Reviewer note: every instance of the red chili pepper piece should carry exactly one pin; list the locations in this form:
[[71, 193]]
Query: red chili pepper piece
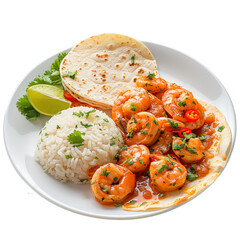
[[174, 157], [186, 130], [192, 115]]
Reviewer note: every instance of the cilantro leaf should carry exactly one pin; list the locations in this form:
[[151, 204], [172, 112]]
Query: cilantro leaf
[[55, 66], [75, 138], [151, 75], [173, 124], [51, 77], [70, 74], [26, 109]]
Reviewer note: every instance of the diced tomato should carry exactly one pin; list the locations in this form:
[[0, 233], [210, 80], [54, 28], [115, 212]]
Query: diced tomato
[[69, 97], [192, 115], [186, 130]]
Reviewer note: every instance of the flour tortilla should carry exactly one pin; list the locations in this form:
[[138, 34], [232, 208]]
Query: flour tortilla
[[104, 68], [220, 148]]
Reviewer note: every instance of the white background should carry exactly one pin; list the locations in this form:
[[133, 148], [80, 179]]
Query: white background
[[31, 31]]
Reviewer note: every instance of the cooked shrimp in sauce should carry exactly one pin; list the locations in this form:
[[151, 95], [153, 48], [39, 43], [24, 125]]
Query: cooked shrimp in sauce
[[135, 158], [178, 101], [167, 174], [189, 151], [143, 128], [112, 183], [128, 103], [156, 107], [152, 84]]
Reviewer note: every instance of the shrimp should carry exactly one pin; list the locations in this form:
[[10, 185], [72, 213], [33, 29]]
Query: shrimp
[[164, 142], [177, 101], [153, 85], [167, 174], [156, 107], [128, 103], [135, 158], [142, 128], [190, 151], [112, 183]]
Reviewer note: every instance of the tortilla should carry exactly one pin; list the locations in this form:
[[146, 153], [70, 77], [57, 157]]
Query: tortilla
[[105, 65], [220, 148]]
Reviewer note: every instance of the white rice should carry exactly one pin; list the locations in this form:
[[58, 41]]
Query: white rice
[[61, 159]]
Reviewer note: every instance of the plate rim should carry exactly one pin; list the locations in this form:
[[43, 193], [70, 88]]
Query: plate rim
[[142, 214]]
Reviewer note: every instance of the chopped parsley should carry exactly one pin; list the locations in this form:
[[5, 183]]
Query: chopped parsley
[[68, 156], [133, 201], [124, 147], [155, 122], [75, 138], [173, 124], [88, 113], [175, 146], [164, 166], [105, 120], [160, 195], [191, 175], [118, 204], [78, 114], [144, 132], [57, 127], [113, 143], [220, 129], [143, 203], [70, 74], [147, 125], [132, 60], [116, 157], [130, 134], [83, 180], [202, 138], [128, 159], [115, 179], [191, 150], [86, 125], [133, 107], [140, 161], [190, 135], [180, 103], [151, 75]]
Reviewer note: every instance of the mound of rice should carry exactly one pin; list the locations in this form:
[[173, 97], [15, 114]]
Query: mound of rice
[[76, 140]]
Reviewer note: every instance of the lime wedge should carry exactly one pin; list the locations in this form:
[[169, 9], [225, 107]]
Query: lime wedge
[[47, 99]]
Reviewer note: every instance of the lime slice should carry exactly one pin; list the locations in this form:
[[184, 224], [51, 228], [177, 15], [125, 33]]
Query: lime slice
[[47, 99]]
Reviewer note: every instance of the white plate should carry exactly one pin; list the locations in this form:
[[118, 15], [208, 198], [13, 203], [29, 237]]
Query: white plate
[[21, 135]]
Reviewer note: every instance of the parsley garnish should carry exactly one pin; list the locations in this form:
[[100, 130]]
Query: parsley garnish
[[180, 103], [133, 201], [130, 133], [133, 107], [26, 109], [150, 75], [173, 124], [191, 175], [68, 156], [106, 120], [220, 129], [70, 74], [75, 138], [144, 132], [155, 122], [192, 151], [164, 166], [143, 203], [88, 113], [86, 125], [78, 114], [57, 127], [132, 60]]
